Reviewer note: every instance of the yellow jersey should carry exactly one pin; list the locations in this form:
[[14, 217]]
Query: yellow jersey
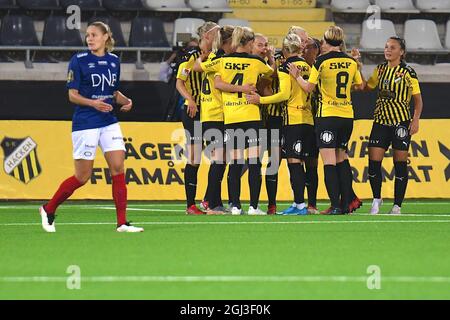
[[335, 73], [395, 86], [211, 98], [298, 106], [240, 69], [276, 109], [192, 79]]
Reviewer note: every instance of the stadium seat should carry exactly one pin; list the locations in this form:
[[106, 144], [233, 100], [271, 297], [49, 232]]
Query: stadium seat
[[186, 25], [18, 30], [422, 35], [57, 34], [148, 32], [350, 6], [123, 5], [396, 6], [7, 4], [166, 5], [39, 4], [437, 6], [210, 5], [234, 22], [116, 29], [375, 38], [447, 36], [85, 5]]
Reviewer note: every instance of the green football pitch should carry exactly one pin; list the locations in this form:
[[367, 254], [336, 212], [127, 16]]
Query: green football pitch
[[225, 257]]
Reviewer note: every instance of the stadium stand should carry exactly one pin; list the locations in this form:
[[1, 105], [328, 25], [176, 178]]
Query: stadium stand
[[8, 4], [85, 5], [350, 6], [447, 38], [115, 26], [374, 38], [433, 6], [209, 5], [234, 22], [185, 26], [163, 5], [397, 6], [422, 35], [39, 4], [123, 5]]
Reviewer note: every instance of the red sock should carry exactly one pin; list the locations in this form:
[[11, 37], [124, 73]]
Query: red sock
[[119, 189], [65, 190]]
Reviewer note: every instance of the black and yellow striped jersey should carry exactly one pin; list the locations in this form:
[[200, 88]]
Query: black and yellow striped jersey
[[211, 98], [396, 86], [276, 109], [335, 73], [192, 79], [298, 106], [241, 69]]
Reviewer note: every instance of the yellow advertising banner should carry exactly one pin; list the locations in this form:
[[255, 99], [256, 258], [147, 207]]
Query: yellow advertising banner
[[36, 157]]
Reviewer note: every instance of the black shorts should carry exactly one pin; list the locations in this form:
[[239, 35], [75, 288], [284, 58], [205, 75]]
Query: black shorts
[[383, 136], [333, 132], [298, 141], [213, 133], [243, 135], [192, 127], [274, 127]]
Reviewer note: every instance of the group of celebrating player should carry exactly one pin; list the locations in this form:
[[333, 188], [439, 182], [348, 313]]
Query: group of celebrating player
[[235, 86]]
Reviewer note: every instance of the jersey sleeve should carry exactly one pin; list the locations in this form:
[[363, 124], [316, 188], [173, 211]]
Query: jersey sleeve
[[414, 82], [372, 83], [357, 79], [314, 75], [211, 66], [285, 90], [266, 71], [185, 68], [74, 74]]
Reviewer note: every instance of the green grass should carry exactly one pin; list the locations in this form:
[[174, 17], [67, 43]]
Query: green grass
[[412, 251]]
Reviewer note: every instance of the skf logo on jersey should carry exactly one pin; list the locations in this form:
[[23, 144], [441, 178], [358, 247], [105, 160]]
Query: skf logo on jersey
[[297, 147], [327, 137], [236, 66], [401, 132], [340, 65], [21, 161]]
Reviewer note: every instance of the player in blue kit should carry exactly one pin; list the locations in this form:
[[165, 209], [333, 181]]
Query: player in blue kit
[[93, 83]]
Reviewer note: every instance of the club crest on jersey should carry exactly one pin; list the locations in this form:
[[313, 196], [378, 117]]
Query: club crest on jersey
[[185, 72], [20, 159]]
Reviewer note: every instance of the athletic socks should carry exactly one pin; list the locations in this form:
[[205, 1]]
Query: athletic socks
[[401, 182], [215, 176], [375, 178], [119, 190], [298, 179], [65, 190], [254, 181], [345, 183], [312, 184], [272, 188], [332, 184], [190, 183], [234, 184]]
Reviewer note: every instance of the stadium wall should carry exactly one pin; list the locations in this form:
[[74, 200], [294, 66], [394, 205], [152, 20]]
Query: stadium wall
[[37, 155]]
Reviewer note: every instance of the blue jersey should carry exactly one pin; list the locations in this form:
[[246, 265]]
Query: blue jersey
[[95, 78]]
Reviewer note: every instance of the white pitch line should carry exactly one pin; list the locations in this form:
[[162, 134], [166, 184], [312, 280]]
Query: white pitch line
[[263, 279], [229, 222]]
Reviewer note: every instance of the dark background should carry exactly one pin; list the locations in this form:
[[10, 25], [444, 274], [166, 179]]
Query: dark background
[[47, 100]]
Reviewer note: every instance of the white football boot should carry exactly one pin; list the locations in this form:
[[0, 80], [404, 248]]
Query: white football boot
[[376, 204], [128, 228], [256, 212], [235, 211], [396, 210], [48, 222]]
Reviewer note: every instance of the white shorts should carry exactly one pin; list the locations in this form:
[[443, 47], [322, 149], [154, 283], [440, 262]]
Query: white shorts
[[85, 142]]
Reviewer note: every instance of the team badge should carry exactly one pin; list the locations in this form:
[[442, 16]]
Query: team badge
[[327, 137], [401, 132], [20, 159], [297, 147]]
